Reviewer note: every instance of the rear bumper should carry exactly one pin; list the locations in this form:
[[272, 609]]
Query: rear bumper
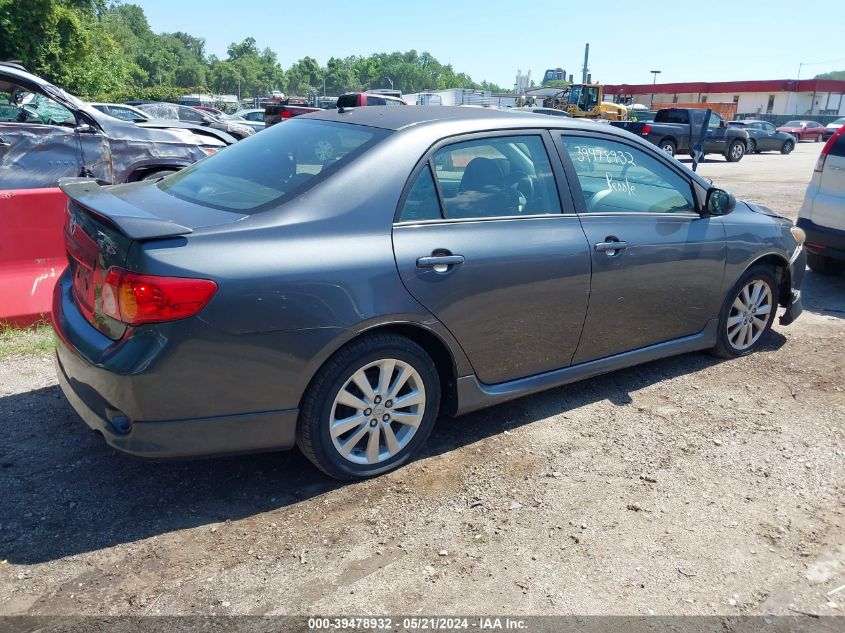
[[822, 240], [186, 411], [197, 437]]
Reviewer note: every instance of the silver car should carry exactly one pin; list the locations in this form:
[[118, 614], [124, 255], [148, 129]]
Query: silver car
[[253, 117], [822, 214], [176, 112]]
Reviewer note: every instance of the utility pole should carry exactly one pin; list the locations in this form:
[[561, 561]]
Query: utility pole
[[586, 60], [653, 83]]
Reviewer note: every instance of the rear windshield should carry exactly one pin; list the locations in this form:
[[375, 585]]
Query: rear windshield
[[254, 174], [672, 116], [347, 101]]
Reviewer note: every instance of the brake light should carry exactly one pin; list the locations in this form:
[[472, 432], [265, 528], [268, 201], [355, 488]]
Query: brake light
[[285, 115], [646, 130], [826, 149], [135, 299]]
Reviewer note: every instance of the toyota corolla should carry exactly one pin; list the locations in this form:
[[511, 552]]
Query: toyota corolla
[[440, 260]]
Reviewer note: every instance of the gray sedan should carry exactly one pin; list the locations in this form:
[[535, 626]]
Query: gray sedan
[[442, 260], [764, 137]]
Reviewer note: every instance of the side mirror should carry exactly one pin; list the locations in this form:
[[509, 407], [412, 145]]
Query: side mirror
[[722, 124], [85, 128], [719, 202]]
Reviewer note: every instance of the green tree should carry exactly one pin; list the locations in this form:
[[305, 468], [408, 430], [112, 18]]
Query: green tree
[[839, 75], [305, 76]]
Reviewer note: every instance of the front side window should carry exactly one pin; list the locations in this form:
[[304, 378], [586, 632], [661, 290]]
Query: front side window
[[124, 114], [496, 177], [19, 105], [715, 120], [373, 101], [249, 177], [616, 177]]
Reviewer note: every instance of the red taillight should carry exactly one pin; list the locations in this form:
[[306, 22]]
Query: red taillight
[[137, 299], [285, 115], [826, 149], [646, 130]]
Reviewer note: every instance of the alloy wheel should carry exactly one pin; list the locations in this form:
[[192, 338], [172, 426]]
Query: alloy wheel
[[377, 411], [737, 151], [749, 314]]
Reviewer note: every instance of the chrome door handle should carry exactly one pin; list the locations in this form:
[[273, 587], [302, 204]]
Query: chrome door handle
[[611, 247], [436, 261]]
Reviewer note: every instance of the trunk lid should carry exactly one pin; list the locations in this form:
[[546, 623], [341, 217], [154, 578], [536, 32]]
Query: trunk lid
[[102, 224]]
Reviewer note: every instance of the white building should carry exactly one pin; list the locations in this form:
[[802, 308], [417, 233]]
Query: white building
[[522, 83], [459, 96], [807, 97]]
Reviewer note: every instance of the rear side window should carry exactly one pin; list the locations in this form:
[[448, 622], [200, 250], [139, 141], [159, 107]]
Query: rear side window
[[252, 175], [347, 101], [373, 101], [496, 177], [422, 202]]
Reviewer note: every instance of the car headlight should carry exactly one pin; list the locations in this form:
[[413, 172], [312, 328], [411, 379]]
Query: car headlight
[[799, 235]]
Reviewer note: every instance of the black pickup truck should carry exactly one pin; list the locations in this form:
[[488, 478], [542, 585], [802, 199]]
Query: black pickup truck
[[677, 130]]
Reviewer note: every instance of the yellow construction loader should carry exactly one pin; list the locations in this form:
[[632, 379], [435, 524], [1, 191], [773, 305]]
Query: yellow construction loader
[[587, 100]]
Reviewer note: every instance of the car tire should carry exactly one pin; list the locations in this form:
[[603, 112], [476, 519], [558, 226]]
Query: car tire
[[752, 147], [825, 265], [735, 152], [668, 146], [380, 442], [787, 147], [157, 175], [740, 313]]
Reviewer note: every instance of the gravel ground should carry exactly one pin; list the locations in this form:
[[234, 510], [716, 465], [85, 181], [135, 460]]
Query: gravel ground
[[685, 486]]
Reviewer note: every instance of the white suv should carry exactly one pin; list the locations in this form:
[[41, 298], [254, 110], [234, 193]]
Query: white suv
[[822, 215]]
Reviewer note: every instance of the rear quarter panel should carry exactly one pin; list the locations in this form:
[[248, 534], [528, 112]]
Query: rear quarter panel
[[296, 283]]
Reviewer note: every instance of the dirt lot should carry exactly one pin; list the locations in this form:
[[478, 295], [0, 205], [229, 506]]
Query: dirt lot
[[685, 486]]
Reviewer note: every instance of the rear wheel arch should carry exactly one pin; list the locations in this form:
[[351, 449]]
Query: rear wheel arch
[[431, 343]]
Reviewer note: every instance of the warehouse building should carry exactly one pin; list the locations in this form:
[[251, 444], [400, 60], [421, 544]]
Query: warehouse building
[[817, 98]]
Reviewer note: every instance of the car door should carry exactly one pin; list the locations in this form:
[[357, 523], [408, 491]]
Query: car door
[[657, 264], [485, 242], [38, 139], [716, 141], [765, 136]]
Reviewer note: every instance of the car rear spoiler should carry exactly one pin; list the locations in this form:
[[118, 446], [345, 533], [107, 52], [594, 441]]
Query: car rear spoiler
[[133, 222]]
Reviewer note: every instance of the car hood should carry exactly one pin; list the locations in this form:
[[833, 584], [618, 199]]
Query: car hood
[[759, 208]]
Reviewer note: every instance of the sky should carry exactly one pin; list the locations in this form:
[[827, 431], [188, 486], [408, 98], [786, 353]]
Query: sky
[[686, 41]]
